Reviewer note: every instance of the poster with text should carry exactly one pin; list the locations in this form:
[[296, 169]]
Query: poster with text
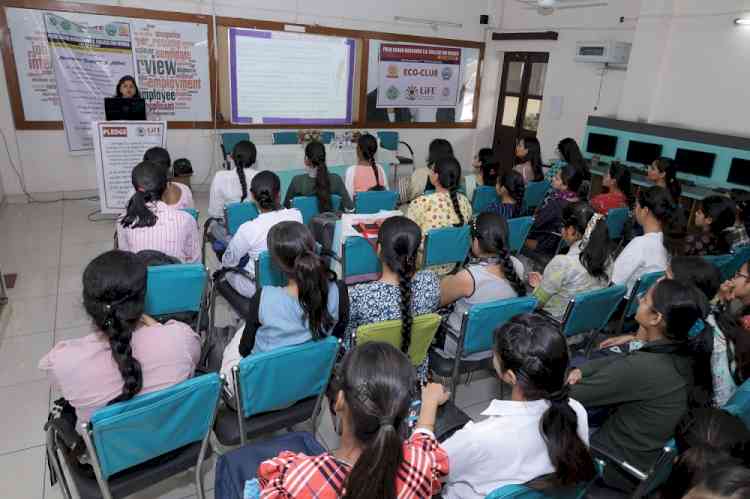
[[118, 147], [171, 60], [417, 76], [88, 61]]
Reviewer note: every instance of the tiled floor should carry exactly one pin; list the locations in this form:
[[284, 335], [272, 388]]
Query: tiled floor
[[48, 246]]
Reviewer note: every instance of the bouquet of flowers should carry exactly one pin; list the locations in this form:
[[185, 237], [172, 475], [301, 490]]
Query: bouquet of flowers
[[307, 136]]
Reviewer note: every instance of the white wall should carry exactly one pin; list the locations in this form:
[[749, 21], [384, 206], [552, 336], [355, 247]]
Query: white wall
[[48, 168]]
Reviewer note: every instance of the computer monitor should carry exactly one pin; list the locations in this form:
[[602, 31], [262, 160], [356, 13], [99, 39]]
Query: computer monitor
[[122, 109], [698, 163], [599, 143], [643, 153], [739, 172]]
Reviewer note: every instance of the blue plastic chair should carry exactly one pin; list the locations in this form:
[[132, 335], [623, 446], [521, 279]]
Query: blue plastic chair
[[721, 262], [740, 256], [360, 263], [739, 404], [639, 289], [163, 281], [236, 214], [123, 436], [616, 218], [524, 492], [484, 196], [518, 231], [477, 335], [300, 373], [374, 201], [267, 273], [591, 311], [388, 140], [285, 138], [308, 206], [534, 195], [193, 212], [228, 141], [446, 245], [327, 137]]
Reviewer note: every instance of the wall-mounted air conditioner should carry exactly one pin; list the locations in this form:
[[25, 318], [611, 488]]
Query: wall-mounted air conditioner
[[610, 52]]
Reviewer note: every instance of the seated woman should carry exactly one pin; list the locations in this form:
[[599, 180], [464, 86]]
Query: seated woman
[[492, 274], [540, 431], [177, 195], [663, 172], [583, 268], [317, 181], [366, 175], [529, 160], [486, 167], [127, 353], [251, 238], [373, 395], [647, 391], [663, 237], [543, 237], [446, 207], [310, 307], [420, 179], [714, 217], [401, 293], [231, 186], [149, 223], [511, 189], [619, 190]]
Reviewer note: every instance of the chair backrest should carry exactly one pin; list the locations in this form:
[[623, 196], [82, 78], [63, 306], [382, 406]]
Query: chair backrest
[[313, 361], [308, 206], [518, 231], [484, 195], [285, 138], [659, 473], [129, 433], [741, 255], [480, 322], [616, 218], [423, 330], [267, 273], [374, 201], [193, 212], [723, 263], [534, 195], [590, 311], [739, 404], [388, 140], [359, 258], [515, 492], [446, 245], [163, 281], [237, 214], [641, 286], [229, 140], [327, 137]]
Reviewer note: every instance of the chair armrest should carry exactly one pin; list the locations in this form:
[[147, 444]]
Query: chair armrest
[[222, 272], [620, 463], [549, 317]]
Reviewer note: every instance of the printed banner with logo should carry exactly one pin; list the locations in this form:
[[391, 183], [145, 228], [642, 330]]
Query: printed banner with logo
[[171, 61], [416, 76], [88, 61], [118, 147]]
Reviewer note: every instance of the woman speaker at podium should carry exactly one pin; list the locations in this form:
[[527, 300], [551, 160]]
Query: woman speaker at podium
[[127, 104], [127, 88]]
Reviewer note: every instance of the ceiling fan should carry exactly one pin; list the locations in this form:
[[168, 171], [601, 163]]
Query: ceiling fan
[[546, 7]]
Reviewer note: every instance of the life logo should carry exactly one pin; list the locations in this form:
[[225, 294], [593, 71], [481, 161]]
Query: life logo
[[412, 91], [392, 71], [140, 131], [148, 131], [447, 73], [115, 131]]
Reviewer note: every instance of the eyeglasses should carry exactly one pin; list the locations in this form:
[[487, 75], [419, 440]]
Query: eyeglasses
[[739, 273]]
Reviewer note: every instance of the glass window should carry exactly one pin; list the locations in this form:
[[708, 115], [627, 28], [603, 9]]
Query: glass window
[[533, 111], [536, 81], [515, 77], [510, 111]]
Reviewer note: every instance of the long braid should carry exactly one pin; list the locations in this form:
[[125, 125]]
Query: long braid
[[509, 270], [457, 207], [404, 283], [120, 333], [243, 180]]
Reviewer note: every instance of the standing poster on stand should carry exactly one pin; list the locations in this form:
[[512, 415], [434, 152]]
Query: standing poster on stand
[[118, 147], [88, 62], [415, 76]]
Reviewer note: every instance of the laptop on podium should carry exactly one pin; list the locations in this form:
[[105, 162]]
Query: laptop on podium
[[122, 109]]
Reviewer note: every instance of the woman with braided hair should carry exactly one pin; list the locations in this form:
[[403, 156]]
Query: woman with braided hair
[[317, 181], [492, 274], [583, 268], [401, 292], [540, 431], [147, 356], [366, 175], [231, 186], [446, 207], [150, 224]]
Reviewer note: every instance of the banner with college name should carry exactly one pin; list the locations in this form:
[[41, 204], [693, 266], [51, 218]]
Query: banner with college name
[[118, 147], [171, 61], [88, 62], [415, 76]]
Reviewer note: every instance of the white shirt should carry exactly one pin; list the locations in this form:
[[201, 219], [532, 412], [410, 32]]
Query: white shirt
[[226, 189], [251, 239], [642, 255], [507, 448]]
